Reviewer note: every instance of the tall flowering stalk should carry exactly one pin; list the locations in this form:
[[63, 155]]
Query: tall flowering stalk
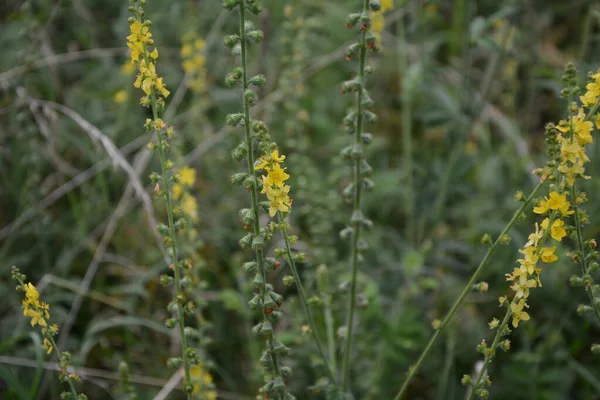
[[144, 57], [273, 185], [354, 124], [572, 164], [566, 147], [39, 312]]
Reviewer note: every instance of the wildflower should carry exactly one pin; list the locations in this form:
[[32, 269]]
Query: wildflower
[[555, 201], [187, 176], [189, 206], [557, 232], [147, 78], [547, 254], [203, 382], [535, 237], [140, 36], [120, 97], [518, 313], [194, 60], [276, 176], [386, 5], [176, 191], [581, 128], [37, 310], [593, 91]]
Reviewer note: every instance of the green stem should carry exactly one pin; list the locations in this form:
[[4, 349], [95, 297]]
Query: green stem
[[329, 323], [357, 210], [173, 235], [254, 189], [490, 355], [69, 380], [578, 229], [468, 287], [582, 261], [501, 330], [309, 316]]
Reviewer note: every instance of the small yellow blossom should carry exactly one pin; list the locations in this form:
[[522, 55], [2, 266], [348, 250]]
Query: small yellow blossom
[[203, 382], [276, 176], [582, 129], [37, 310], [518, 313], [535, 237], [547, 254], [120, 97], [386, 5], [556, 230], [555, 201], [176, 190], [187, 176], [189, 206], [593, 91]]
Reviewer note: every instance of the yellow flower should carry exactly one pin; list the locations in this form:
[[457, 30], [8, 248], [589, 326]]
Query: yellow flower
[[555, 201], [189, 206], [279, 199], [535, 237], [581, 128], [47, 345], [31, 293], [593, 91], [187, 176], [556, 230], [386, 5], [572, 172], [120, 97], [176, 191], [276, 157], [36, 317], [548, 255], [518, 313], [203, 382], [276, 176]]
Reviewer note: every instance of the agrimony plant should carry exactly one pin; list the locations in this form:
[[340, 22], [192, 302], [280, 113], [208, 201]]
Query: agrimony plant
[[354, 123], [140, 43], [272, 184], [39, 312], [567, 144]]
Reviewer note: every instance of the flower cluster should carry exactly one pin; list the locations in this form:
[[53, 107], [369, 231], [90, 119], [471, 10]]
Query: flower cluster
[[138, 42], [566, 147], [273, 184], [265, 300], [194, 60], [165, 187], [39, 312], [527, 275]]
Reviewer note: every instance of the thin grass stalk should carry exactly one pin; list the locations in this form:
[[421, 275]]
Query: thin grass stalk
[[468, 287]]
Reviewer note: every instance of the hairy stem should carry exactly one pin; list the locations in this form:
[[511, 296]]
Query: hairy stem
[[357, 209], [260, 258]]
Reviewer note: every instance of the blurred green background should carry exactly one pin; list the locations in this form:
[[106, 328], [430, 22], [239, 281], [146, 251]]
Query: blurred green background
[[462, 90]]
